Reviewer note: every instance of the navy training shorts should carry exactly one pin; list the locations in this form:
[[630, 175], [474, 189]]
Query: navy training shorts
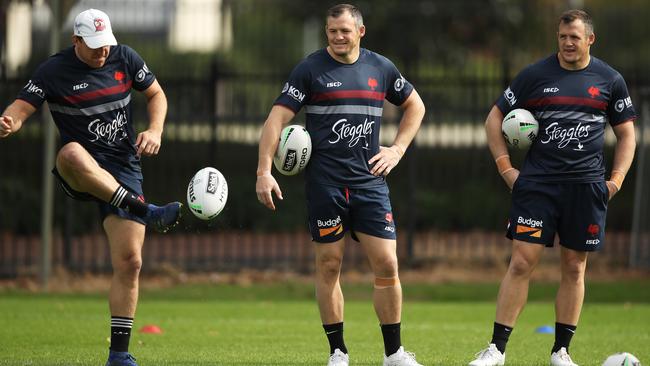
[[576, 212], [333, 211], [105, 208]]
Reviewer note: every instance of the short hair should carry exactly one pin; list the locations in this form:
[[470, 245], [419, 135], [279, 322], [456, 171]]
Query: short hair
[[336, 11], [570, 15]]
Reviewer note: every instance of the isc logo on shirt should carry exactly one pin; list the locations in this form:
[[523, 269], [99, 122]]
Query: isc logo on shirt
[[80, 86]]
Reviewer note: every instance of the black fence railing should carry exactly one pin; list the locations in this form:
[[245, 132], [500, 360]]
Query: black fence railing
[[445, 184], [449, 202]]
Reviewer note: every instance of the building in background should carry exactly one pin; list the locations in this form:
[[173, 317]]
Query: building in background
[[198, 26]]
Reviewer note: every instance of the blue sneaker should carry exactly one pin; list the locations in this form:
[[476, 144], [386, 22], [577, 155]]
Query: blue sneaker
[[163, 218], [120, 359]]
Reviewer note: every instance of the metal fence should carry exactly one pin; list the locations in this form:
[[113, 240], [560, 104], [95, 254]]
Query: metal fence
[[449, 203]]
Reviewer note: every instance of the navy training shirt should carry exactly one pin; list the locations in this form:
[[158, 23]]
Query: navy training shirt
[[343, 107], [572, 108], [93, 106]]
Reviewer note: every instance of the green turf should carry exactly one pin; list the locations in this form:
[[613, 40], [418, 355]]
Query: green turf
[[277, 325]]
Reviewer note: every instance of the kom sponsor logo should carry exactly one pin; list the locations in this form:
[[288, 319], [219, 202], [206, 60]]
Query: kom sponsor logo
[[293, 92], [510, 96], [32, 88], [530, 227], [329, 226]]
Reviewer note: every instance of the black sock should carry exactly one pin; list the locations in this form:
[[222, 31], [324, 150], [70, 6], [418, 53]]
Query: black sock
[[120, 333], [563, 335], [334, 333], [500, 336], [392, 340], [129, 201]]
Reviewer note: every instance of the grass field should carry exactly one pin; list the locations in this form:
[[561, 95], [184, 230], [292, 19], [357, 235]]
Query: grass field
[[279, 325]]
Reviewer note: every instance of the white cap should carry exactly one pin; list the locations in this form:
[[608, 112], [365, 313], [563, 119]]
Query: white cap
[[95, 28]]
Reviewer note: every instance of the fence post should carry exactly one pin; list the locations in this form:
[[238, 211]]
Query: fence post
[[49, 137], [412, 201], [640, 191]]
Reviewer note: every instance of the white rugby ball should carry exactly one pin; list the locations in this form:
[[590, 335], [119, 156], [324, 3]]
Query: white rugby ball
[[622, 359], [519, 128], [207, 193], [294, 150]]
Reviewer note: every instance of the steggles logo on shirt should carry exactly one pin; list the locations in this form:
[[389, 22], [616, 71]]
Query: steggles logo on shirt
[[109, 132], [352, 134], [564, 136]]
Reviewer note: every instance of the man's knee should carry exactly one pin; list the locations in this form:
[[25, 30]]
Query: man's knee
[[128, 264], [329, 266], [386, 267], [70, 158], [521, 266], [573, 269]]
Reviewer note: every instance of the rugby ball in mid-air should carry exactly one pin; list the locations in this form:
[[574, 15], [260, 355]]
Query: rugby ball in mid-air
[[207, 193], [622, 359], [293, 151], [519, 128]]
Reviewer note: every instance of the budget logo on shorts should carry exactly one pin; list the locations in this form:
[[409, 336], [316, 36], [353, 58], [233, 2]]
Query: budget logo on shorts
[[531, 227], [329, 226]]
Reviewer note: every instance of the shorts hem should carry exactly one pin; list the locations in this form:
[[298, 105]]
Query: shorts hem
[[389, 237], [583, 249]]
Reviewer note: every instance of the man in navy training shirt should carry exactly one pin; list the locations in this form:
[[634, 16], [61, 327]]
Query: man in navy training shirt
[[561, 187], [342, 89], [88, 89]]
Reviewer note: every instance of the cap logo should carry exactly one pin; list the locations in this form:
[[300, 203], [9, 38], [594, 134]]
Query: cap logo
[[99, 24]]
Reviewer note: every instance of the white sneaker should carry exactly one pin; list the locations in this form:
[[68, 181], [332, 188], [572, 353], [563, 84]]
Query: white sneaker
[[490, 356], [561, 358], [401, 358], [338, 358]]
